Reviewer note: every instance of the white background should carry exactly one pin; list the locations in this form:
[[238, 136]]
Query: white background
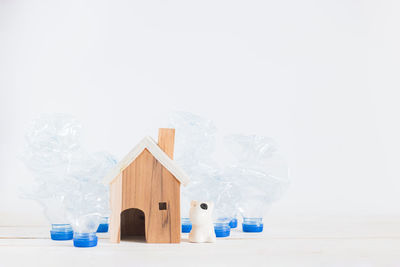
[[321, 77]]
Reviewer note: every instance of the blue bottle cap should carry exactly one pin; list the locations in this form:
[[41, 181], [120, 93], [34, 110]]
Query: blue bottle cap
[[85, 240], [233, 223], [252, 228], [186, 225], [61, 235], [186, 228], [252, 225], [103, 228], [61, 232], [222, 229]]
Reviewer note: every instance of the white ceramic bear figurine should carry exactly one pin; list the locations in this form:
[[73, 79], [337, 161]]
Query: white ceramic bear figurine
[[202, 223]]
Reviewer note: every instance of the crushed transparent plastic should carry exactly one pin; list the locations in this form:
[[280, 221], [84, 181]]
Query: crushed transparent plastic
[[194, 143], [67, 178], [258, 170], [247, 181]]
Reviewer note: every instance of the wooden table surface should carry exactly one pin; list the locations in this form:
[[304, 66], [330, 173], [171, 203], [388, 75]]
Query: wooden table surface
[[284, 242]]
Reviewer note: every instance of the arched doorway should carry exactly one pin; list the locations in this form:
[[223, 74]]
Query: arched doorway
[[133, 225]]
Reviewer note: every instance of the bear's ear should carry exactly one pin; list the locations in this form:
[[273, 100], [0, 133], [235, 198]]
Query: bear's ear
[[193, 203]]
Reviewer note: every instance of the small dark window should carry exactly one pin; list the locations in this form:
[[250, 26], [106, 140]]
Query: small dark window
[[162, 205]]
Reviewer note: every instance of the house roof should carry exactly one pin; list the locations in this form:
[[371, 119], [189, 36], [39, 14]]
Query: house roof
[[149, 144]]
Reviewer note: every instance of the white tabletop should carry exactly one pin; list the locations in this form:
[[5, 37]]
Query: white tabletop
[[284, 242]]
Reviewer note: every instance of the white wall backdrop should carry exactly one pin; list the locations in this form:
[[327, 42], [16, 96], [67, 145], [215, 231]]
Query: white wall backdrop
[[321, 77]]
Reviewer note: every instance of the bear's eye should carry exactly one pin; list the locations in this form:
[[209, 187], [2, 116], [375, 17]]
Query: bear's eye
[[204, 206]]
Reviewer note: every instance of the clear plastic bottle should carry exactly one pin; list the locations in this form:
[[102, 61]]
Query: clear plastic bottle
[[54, 209], [255, 177], [51, 142], [85, 228], [253, 206], [87, 207], [261, 175], [68, 178], [194, 143], [225, 196], [256, 199]]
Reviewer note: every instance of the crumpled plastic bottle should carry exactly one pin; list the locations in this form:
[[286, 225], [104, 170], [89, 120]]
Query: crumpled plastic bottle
[[67, 178], [50, 142], [88, 206], [256, 177], [194, 142], [260, 173], [226, 198]]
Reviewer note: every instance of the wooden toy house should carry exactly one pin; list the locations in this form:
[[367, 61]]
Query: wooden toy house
[[145, 192]]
